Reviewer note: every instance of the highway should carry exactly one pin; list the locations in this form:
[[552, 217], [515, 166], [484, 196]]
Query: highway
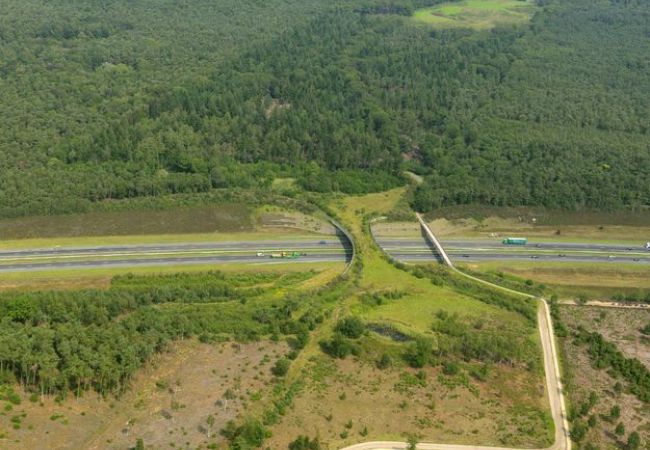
[[60, 258], [418, 249]]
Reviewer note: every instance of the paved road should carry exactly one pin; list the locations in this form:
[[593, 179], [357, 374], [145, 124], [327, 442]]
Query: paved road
[[562, 440], [316, 250], [418, 249]]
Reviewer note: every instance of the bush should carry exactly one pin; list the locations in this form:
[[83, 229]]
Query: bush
[[633, 441], [385, 361], [337, 347], [450, 368], [419, 354], [281, 367], [304, 443], [351, 327], [249, 435], [578, 431]]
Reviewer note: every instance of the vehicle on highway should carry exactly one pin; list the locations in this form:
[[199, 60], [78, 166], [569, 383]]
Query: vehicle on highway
[[287, 255], [260, 253], [534, 256], [515, 241], [465, 256], [647, 245], [562, 255], [322, 242]]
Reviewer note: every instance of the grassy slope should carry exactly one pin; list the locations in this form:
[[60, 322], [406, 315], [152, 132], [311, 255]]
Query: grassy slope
[[101, 278]]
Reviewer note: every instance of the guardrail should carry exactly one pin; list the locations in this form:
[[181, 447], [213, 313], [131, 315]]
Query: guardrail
[[342, 231], [434, 241]]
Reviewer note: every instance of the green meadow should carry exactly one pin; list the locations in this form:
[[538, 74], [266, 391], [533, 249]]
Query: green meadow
[[476, 14]]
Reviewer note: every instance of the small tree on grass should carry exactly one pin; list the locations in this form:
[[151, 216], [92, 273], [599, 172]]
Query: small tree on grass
[[633, 441], [139, 444], [592, 421], [620, 429], [578, 431], [338, 346], [419, 354], [281, 367], [384, 362], [351, 327], [304, 443], [412, 442]]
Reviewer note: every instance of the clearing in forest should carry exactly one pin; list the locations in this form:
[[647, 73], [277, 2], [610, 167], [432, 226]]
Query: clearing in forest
[[477, 14]]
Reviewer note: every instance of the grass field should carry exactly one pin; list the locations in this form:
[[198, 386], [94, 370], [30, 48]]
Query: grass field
[[476, 14]]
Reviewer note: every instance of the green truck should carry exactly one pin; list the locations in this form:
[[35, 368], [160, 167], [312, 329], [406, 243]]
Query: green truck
[[515, 241]]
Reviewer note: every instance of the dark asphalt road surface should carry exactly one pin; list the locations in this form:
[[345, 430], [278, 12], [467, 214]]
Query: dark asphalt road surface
[[223, 246], [170, 261], [417, 249], [25, 260]]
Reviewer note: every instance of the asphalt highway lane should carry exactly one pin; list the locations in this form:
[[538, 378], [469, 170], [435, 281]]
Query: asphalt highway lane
[[417, 249], [169, 261], [240, 252]]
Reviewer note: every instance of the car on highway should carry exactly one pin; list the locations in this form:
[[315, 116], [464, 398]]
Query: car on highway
[[534, 256], [322, 242], [562, 255], [465, 256]]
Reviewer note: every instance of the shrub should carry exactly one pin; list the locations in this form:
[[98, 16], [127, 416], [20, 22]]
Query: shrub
[[351, 327], [384, 362], [304, 443], [450, 368], [281, 367], [250, 434], [337, 347], [633, 441], [419, 354]]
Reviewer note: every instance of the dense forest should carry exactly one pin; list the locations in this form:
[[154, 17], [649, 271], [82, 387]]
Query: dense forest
[[122, 99]]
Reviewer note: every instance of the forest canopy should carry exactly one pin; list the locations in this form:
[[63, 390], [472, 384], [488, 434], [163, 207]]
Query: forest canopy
[[124, 99]]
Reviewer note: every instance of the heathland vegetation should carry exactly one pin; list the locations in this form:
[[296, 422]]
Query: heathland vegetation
[[60, 342], [123, 100]]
